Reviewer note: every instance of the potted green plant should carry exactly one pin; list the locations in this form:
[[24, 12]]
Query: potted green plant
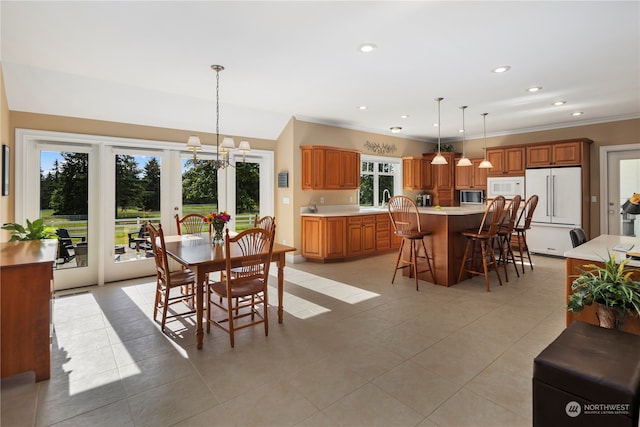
[[611, 287], [35, 230]]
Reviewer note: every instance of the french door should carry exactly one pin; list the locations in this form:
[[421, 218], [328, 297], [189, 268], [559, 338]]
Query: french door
[[63, 194], [106, 188]]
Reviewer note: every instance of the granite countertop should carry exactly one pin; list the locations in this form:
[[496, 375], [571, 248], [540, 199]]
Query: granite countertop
[[599, 248], [349, 210]]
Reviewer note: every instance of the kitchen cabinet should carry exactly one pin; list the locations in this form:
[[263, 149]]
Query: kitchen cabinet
[[471, 177], [336, 238], [506, 161], [443, 179], [361, 236], [330, 168], [323, 237], [27, 285], [565, 153], [416, 173]]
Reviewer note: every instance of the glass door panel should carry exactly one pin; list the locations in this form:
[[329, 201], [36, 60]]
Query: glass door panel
[[137, 200], [247, 194]]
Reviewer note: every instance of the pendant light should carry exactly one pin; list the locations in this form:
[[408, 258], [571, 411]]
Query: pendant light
[[485, 164], [463, 160], [439, 158]]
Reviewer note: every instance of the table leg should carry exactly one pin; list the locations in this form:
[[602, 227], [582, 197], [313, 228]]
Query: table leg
[[200, 278], [280, 263]]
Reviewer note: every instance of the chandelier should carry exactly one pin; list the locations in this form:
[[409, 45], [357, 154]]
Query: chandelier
[[223, 150]]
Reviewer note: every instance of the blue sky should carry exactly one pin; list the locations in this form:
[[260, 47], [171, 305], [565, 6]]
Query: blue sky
[[47, 158]]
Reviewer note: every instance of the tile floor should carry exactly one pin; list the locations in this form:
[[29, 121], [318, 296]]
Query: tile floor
[[353, 350]]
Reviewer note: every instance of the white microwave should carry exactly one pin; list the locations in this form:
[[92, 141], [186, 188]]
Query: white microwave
[[507, 186]]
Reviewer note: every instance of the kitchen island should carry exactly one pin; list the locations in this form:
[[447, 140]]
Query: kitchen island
[[342, 233], [446, 243]]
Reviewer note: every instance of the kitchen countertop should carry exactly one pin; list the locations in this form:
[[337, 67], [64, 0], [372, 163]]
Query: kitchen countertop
[[598, 249], [331, 211]]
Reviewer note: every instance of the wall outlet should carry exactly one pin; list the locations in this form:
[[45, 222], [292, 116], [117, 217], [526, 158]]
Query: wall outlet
[[322, 200], [284, 242], [285, 201], [350, 199], [594, 199]]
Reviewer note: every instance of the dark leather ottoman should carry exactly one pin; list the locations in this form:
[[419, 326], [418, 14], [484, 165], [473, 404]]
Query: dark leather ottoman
[[589, 376]]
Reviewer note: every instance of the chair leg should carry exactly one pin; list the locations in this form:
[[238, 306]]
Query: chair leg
[[398, 260], [230, 317], [526, 248], [494, 262], [165, 307], [485, 269], [426, 256], [464, 260], [414, 255], [502, 259]]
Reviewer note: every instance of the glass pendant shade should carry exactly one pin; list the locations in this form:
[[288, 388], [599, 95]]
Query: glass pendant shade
[[439, 160], [485, 164], [464, 162]]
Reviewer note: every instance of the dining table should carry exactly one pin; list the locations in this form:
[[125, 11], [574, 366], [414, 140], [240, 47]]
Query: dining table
[[200, 254]]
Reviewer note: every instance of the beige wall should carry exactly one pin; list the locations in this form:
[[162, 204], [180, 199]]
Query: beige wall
[[6, 202]]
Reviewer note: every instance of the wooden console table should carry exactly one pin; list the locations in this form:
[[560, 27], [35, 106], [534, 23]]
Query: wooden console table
[[595, 252], [26, 285]]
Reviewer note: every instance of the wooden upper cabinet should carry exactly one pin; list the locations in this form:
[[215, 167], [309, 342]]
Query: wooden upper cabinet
[[506, 161], [555, 154], [427, 174], [416, 173], [471, 177], [330, 168]]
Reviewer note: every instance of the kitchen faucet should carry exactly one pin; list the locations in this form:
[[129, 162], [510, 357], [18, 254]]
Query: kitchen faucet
[[388, 193]]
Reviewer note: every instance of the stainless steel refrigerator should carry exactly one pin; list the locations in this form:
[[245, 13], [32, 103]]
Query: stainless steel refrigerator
[[559, 208]]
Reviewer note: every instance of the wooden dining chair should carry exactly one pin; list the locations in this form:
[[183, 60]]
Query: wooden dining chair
[[484, 238], [520, 230], [167, 280], [406, 224], [266, 222], [505, 230], [240, 299], [192, 224]]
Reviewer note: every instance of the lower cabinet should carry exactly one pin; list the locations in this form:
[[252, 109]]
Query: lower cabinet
[[342, 237], [361, 232]]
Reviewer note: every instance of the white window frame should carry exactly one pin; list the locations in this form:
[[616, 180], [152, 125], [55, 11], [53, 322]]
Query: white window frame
[[397, 182]]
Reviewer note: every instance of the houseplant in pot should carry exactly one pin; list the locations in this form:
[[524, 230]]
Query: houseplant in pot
[[35, 230], [613, 289]]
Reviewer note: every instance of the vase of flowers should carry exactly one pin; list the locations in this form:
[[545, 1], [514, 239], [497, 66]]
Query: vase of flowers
[[218, 221]]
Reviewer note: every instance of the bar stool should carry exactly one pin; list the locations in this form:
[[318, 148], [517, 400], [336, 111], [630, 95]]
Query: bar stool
[[522, 225], [484, 237], [406, 224], [504, 234]]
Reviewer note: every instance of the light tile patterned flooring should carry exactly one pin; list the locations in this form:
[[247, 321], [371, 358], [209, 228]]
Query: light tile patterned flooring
[[353, 350]]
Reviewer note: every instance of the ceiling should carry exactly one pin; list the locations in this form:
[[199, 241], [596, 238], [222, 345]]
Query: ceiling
[[148, 63]]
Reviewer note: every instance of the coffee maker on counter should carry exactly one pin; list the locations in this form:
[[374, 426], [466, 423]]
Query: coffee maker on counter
[[423, 200]]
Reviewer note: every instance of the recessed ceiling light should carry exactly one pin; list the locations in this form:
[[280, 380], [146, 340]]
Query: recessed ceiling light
[[362, 107], [577, 113], [534, 89], [404, 116], [367, 47], [501, 69], [559, 103], [395, 129]]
